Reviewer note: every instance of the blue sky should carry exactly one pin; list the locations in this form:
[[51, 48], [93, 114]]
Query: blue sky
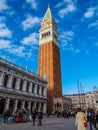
[[77, 22]]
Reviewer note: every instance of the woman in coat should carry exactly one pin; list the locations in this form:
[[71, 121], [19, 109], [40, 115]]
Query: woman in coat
[[80, 117]]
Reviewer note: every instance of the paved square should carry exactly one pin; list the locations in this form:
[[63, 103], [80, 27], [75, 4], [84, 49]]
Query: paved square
[[49, 123]]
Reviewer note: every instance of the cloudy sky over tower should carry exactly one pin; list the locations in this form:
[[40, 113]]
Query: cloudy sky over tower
[[77, 22]]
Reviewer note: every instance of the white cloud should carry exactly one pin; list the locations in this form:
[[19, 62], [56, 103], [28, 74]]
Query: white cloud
[[89, 13], [59, 4], [66, 7], [5, 8], [30, 22], [69, 9], [4, 44], [32, 39], [67, 34], [17, 50], [4, 31], [95, 24], [64, 2], [69, 48], [3, 5], [66, 37], [32, 3], [7, 46]]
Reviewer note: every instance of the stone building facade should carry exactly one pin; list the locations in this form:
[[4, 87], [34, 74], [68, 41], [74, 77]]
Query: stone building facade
[[86, 100], [20, 88], [67, 103], [95, 94], [49, 59], [77, 100], [89, 100]]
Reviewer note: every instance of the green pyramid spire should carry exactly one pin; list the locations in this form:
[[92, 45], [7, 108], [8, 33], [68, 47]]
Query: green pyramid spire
[[48, 14]]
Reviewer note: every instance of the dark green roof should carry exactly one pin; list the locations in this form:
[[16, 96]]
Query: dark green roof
[[48, 15]]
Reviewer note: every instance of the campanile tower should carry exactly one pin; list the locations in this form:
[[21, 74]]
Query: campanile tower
[[49, 58]]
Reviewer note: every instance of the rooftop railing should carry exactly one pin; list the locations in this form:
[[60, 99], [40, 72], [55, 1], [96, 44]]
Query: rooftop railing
[[20, 68]]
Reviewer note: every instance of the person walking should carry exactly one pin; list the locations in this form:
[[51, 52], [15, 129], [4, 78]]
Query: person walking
[[80, 118], [97, 120], [92, 119], [40, 116], [33, 116], [6, 115]]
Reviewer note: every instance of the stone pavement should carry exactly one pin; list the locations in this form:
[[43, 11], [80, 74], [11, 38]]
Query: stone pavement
[[49, 123]]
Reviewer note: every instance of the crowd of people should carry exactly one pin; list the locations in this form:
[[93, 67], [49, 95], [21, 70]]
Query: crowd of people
[[22, 115], [84, 118]]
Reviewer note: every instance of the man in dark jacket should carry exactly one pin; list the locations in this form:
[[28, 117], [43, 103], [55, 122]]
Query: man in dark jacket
[[40, 116], [33, 116], [6, 115], [92, 119]]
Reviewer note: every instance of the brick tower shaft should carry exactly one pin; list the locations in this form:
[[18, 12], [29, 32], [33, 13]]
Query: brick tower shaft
[[49, 59]]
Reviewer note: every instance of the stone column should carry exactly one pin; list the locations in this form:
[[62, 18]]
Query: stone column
[[17, 86], [2, 79], [7, 104], [30, 87], [10, 82], [40, 90], [39, 107], [45, 92], [29, 106], [24, 85], [15, 105], [44, 108], [23, 104], [35, 104], [35, 89]]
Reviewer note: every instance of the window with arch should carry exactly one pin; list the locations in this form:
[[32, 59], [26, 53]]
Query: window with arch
[[46, 33], [49, 32], [42, 35]]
